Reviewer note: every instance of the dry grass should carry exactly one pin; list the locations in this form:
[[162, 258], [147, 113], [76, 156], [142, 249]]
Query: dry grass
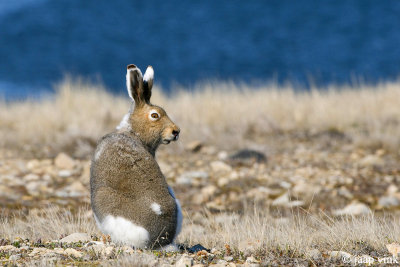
[[221, 114], [259, 231]]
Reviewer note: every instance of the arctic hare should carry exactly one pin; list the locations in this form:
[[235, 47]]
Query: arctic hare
[[130, 197]]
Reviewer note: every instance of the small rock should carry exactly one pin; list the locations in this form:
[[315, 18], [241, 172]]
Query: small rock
[[76, 189], [38, 251], [314, 254], [76, 237], [340, 255], [73, 252], [394, 249], [353, 209], [194, 146], [59, 251], [222, 182], [188, 177], [33, 164], [371, 160], [219, 166], [184, 261], [223, 155], [8, 248], [15, 257], [64, 173], [249, 246], [221, 262], [283, 200], [228, 258], [247, 157], [63, 161], [251, 259], [31, 177], [389, 201]]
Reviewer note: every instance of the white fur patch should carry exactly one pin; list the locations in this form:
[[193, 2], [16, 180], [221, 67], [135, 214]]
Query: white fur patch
[[156, 208], [149, 74], [124, 124], [151, 112], [179, 211], [99, 151], [123, 231]]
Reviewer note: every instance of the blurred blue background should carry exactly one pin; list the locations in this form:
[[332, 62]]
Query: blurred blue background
[[301, 42]]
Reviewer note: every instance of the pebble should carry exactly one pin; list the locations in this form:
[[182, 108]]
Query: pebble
[[389, 201], [15, 257], [63, 161], [247, 157], [353, 209], [314, 254], [73, 252], [184, 261], [394, 249], [219, 166], [76, 237], [194, 146], [340, 255], [188, 177]]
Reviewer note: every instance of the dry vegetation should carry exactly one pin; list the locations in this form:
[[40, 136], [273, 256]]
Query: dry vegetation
[[326, 150], [224, 115]]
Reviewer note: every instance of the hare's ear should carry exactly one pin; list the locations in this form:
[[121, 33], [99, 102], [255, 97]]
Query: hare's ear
[[148, 83], [134, 84]]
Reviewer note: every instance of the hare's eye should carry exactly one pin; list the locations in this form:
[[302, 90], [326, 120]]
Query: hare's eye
[[154, 116]]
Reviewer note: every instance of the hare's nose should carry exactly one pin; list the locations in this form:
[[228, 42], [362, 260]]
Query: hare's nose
[[175, 132]]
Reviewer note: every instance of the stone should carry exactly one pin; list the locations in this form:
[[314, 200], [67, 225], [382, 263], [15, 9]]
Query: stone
[[389, 202], [394, 249], [33, 164], [314, 254], [76, 237], [73, 252], [188, 177], [283, 200], [63, 161], [247, 157], [109, 251], [251, 259], [31, 177], [184, 261], [353, 209], [76, 189], [38, 251], [194, 146], [228, 258], [65, 173], [249, 246], [371, 160], [15, 257], [219, 166], [223, 155], [8, 248], [342, 255]]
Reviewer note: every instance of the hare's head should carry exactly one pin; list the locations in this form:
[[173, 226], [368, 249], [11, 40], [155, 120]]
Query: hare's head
[[149, 122]]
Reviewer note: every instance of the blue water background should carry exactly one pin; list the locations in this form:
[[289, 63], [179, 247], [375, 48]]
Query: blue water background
[[301, 42]]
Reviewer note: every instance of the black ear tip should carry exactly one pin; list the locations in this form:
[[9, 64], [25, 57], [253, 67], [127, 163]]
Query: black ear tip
[[131, 66]]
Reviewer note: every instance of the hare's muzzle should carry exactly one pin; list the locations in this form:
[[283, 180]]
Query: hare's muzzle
[[175, 133]]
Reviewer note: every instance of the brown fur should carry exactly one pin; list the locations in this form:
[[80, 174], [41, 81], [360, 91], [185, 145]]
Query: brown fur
[[125, 177]]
